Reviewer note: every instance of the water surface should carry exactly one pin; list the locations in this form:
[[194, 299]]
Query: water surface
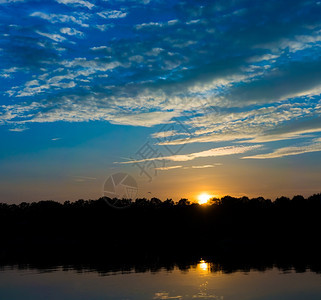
[[203, 280]]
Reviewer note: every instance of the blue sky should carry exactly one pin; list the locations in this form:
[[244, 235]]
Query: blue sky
[[218, 88]]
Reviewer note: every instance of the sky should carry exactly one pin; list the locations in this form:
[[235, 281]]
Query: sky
[[187, 97]]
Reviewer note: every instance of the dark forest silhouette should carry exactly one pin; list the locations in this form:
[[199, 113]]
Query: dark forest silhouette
[[235, 227], [226, 266]]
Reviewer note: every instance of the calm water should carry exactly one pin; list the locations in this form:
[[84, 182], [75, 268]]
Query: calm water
[[201, 281]]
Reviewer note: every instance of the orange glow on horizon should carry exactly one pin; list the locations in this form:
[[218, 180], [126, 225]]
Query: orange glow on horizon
[[203, 198]]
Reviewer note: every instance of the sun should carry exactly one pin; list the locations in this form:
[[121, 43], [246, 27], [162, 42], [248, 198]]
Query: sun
[[203, 265], [203, 198]]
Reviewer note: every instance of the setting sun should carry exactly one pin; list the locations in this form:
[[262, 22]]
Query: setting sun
[[203, 198], [203, 265]]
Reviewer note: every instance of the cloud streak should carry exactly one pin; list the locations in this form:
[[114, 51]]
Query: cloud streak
[[289, 151], [112, 14], [221, 151], [168, 168], [83, 3], [206, 166]]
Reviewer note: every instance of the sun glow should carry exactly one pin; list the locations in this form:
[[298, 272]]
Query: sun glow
[[203, 266], [203, 198]]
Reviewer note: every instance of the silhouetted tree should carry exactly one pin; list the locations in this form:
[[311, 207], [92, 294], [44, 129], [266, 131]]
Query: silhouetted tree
[[215, 201], [142, 202], [282, 203], [168, 203], [87, 225], [298, 201], [155, 201], [183, 202]]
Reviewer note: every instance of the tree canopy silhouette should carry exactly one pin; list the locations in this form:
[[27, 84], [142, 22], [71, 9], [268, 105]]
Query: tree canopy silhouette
[[226, 225]]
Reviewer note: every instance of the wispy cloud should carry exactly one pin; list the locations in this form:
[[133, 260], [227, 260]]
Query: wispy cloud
[[168, 168], [284, 136], [10, 1], [101, 48], [258, 125], [156, 24], [147, 119], [77, 3], [206, 166], [18, 129], [112, 14], [187, 167], [167, 134], [61, 18], [289, 151], [221, 151], [54, 36], [71, 31]]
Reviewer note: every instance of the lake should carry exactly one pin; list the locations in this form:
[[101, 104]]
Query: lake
[[199, 280]]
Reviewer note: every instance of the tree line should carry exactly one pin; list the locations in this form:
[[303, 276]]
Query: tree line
[[226, 226], [313, 201]]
